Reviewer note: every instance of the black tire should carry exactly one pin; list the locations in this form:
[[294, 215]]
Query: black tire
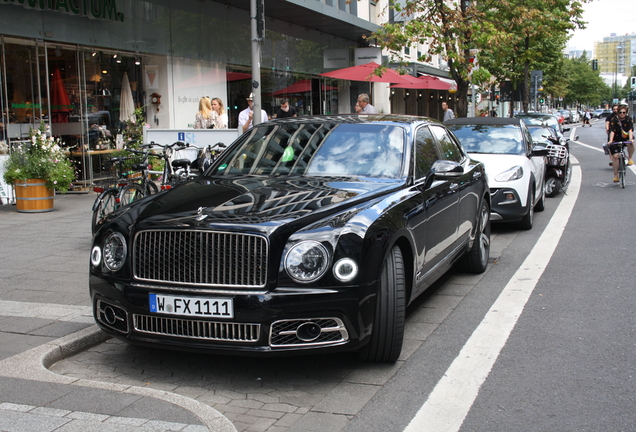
[[151, 188], [552, 186], [106, 205], [540, 205], [621, 170], [528, 220], [131, 193], [476, 259], [387, 334]]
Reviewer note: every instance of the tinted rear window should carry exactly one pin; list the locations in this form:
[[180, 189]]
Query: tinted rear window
[[500, 139]]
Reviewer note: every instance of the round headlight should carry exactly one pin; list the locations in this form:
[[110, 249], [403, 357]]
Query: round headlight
[[96, 256], [307, 261], [115, 251], [345, 269]]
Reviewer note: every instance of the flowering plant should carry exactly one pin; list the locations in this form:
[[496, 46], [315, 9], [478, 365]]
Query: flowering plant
[[41, 158]]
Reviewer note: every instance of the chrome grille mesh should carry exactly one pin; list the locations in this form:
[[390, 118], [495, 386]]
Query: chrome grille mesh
[[201, 258], [194, 329]]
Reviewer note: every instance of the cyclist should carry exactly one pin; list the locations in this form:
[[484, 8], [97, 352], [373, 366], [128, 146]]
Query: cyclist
[[608, 120], [621, 129]]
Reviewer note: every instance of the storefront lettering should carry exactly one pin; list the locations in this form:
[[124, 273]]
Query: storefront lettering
[[93, 9], [27, 105]]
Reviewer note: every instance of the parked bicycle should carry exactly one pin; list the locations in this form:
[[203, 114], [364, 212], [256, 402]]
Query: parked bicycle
[[175, 171]]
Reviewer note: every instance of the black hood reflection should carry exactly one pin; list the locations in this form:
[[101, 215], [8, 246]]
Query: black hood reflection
[[258, 200]]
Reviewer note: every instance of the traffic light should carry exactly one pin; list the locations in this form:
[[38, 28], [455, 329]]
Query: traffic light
[[594, 64], [260, 18], [633, 82]]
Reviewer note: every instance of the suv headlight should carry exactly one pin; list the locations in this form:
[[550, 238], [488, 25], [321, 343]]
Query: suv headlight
[[307, 261], [115, 251], [514, 173]]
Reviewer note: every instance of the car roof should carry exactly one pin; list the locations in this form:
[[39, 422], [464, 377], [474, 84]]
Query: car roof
[[484, 121], [356, 118]]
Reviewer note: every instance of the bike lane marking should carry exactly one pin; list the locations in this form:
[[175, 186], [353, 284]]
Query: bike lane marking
[[452, 398]]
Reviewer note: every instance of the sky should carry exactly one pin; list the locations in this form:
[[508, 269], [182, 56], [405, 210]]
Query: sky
[[603, 18]]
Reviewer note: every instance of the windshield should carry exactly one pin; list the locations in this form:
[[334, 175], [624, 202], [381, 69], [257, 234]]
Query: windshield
[[500, 139], [321, 149], [541, 121]]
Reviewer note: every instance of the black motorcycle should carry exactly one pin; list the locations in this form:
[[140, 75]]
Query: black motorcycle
[[558, 169]]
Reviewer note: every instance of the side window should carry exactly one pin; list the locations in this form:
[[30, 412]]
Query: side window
[[425, 152], [449, 148]]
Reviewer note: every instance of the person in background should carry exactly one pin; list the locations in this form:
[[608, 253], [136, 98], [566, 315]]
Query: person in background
[[448, 113], [586, 118], [363, 106], [245, 116], [219, 109], [286, 110], [206, 118]]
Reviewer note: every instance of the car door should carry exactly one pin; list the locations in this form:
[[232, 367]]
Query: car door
[[537, 164], [470, 186], [435, 223]]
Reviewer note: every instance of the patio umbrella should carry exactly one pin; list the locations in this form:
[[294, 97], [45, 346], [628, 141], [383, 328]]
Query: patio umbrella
[[126, 103], [365, 73], [60, 103], [428, 82], [302, 86]]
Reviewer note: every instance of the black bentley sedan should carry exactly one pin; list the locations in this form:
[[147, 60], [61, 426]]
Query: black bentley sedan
[[307, 234]]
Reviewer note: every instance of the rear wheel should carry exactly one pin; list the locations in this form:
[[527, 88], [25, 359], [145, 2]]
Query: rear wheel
[[131, 193], [387, 333], [107, 204], [476, 260], [151, 187]]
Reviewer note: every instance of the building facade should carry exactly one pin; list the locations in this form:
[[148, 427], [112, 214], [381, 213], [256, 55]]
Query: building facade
[[72, 63], [616, 55]]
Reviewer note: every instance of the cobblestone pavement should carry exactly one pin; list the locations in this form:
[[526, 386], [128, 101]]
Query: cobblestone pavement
[[308, 393]]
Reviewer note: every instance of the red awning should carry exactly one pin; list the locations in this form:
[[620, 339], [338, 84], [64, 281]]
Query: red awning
[[365, 73], [427, 82], [302, 86]]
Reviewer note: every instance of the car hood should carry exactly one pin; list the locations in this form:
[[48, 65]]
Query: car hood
[[251, 201], [497, 163]]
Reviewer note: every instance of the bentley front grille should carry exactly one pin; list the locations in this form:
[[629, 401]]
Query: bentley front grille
[[194, 329], [202, 258]]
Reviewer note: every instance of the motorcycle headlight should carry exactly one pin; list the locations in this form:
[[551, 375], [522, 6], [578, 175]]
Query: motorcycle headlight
[[514, 173], [115, 251], [307, 261]]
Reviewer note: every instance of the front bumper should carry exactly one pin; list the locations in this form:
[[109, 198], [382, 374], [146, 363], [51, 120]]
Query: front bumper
[[281, 321], [506, 205]]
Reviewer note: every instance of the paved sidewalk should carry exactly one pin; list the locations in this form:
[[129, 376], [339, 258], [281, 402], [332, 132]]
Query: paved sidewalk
[[45, 316]]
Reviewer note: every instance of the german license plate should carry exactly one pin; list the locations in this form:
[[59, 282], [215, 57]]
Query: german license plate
[[192, 306]]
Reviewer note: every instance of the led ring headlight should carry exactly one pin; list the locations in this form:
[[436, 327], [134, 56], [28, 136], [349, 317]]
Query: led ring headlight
[[307, 261], [345, 269]]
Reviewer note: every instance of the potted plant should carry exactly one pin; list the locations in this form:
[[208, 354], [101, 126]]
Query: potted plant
[[36, 169]]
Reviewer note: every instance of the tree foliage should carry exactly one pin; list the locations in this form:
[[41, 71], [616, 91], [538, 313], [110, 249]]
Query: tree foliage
[[512, 37]]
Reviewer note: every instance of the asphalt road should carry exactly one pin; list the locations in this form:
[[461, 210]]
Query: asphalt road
[[566, 365]]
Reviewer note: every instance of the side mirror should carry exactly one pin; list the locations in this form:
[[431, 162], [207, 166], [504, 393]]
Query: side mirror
[[446, 169], [540, 150]]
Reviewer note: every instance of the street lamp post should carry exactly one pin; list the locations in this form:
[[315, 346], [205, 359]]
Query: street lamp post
[[618, 49]]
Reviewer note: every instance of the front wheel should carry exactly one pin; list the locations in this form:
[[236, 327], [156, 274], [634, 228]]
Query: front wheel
[[621, 170], [552, 186], [528, 220], [387, 333], [131, 193], [476, 259]]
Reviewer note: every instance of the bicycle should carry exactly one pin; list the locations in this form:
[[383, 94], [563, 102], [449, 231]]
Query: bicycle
[[108, 199], [147, 187], [622, 162], [175, 171]]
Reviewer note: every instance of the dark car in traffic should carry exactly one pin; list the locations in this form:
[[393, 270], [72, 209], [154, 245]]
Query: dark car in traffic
[[308, 234]]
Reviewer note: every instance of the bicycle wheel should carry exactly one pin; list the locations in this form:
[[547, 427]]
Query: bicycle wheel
[[621, 170], [131, 193], [107, 204], [150, 187]]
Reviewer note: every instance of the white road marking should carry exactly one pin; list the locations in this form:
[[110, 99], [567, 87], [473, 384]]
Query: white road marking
[[453, 396]]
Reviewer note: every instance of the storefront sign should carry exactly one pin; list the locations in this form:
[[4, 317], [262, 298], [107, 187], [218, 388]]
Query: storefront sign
[[93, 9], [336, 58], [367, 55]]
